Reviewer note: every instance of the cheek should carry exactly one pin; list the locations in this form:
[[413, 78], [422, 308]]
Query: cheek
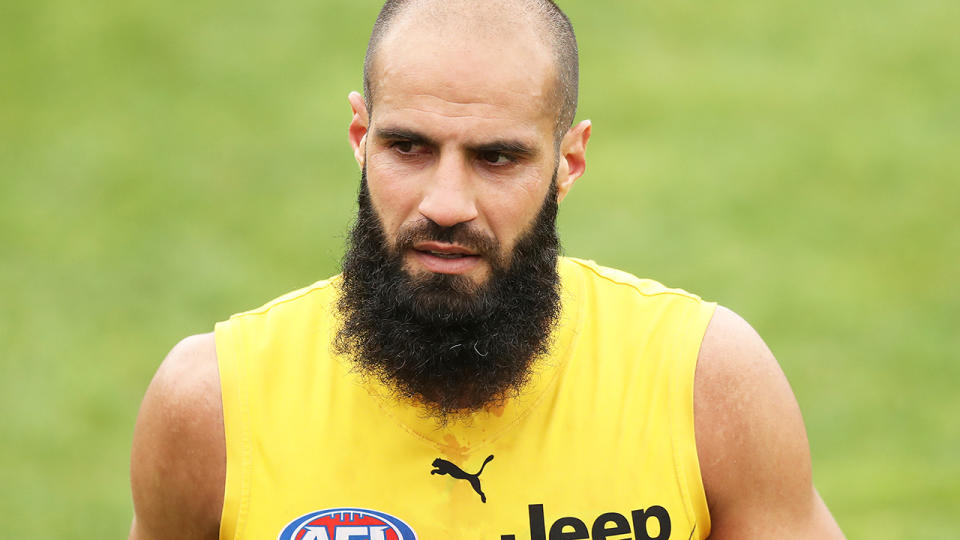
[[510, 213], [394, 198]]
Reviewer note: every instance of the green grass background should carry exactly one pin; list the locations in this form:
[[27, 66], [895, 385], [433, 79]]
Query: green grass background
[[164, 165]]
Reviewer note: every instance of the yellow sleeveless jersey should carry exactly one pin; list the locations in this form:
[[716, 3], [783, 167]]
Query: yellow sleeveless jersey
[[600, 444]]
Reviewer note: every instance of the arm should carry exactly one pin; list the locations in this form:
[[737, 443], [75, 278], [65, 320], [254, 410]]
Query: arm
[[178, 462], [754, 455]]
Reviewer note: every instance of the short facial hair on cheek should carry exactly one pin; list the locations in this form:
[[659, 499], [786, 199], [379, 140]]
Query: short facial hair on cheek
[[441, 340]]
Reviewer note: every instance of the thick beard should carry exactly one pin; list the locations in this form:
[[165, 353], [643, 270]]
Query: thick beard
[[441, 340]]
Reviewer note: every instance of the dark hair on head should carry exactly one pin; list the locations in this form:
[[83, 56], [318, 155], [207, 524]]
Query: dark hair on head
[[559, 33]]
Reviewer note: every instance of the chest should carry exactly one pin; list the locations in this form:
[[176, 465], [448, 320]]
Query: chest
[[560, 471]]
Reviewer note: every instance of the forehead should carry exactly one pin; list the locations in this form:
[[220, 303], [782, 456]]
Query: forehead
[[467, 71]]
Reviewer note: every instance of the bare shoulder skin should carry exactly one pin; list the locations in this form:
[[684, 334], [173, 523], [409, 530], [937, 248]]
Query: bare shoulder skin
[[754, 454], [178, 462]]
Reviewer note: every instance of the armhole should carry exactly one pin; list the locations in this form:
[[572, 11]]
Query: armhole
[[689, 477], [235, 489]]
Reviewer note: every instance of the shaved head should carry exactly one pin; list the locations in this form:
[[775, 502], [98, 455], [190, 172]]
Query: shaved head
[[496, 21]]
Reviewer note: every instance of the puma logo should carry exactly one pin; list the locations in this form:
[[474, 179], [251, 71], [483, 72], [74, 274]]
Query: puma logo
[[443, 466]]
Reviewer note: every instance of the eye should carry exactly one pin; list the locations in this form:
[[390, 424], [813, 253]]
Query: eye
[[496, 158], [404, 147]]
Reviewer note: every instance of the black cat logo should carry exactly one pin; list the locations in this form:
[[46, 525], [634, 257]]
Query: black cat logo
[[443, 466]]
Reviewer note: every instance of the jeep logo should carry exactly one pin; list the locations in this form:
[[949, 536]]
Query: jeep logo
[[605, 526]]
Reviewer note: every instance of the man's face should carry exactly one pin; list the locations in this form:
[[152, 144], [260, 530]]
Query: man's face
[[459, 135], [449, 289]]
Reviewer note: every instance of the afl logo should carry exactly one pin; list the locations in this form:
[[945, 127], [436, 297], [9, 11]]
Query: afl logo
[[347, 524]]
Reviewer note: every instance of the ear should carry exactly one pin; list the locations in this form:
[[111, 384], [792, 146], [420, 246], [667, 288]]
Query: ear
[[357, 132], [573, 162]]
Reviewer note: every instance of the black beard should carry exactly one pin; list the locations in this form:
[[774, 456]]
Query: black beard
[[440, 339]]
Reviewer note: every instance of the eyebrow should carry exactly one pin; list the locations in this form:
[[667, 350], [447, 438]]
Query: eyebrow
[[512, 147], [505, 146], [400, 134]]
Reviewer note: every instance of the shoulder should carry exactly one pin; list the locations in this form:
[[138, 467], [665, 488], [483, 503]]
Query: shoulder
[[617, 281], [320, 292], [178, 459], [752, 444]]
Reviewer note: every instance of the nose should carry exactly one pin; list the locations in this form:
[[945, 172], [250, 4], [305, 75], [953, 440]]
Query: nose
[[449, 198]]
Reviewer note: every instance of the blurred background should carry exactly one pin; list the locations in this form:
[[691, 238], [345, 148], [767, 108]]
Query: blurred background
[[165, 165]]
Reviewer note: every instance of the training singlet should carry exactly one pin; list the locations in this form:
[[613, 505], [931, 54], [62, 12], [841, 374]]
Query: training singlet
[[600, 443]]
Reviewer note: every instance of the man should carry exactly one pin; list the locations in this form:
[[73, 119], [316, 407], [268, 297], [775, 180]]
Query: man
[[590, 403]]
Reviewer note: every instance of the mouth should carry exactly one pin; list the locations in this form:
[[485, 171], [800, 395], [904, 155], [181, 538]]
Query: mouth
[[443, 258], [443, 255], [445, 250]]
